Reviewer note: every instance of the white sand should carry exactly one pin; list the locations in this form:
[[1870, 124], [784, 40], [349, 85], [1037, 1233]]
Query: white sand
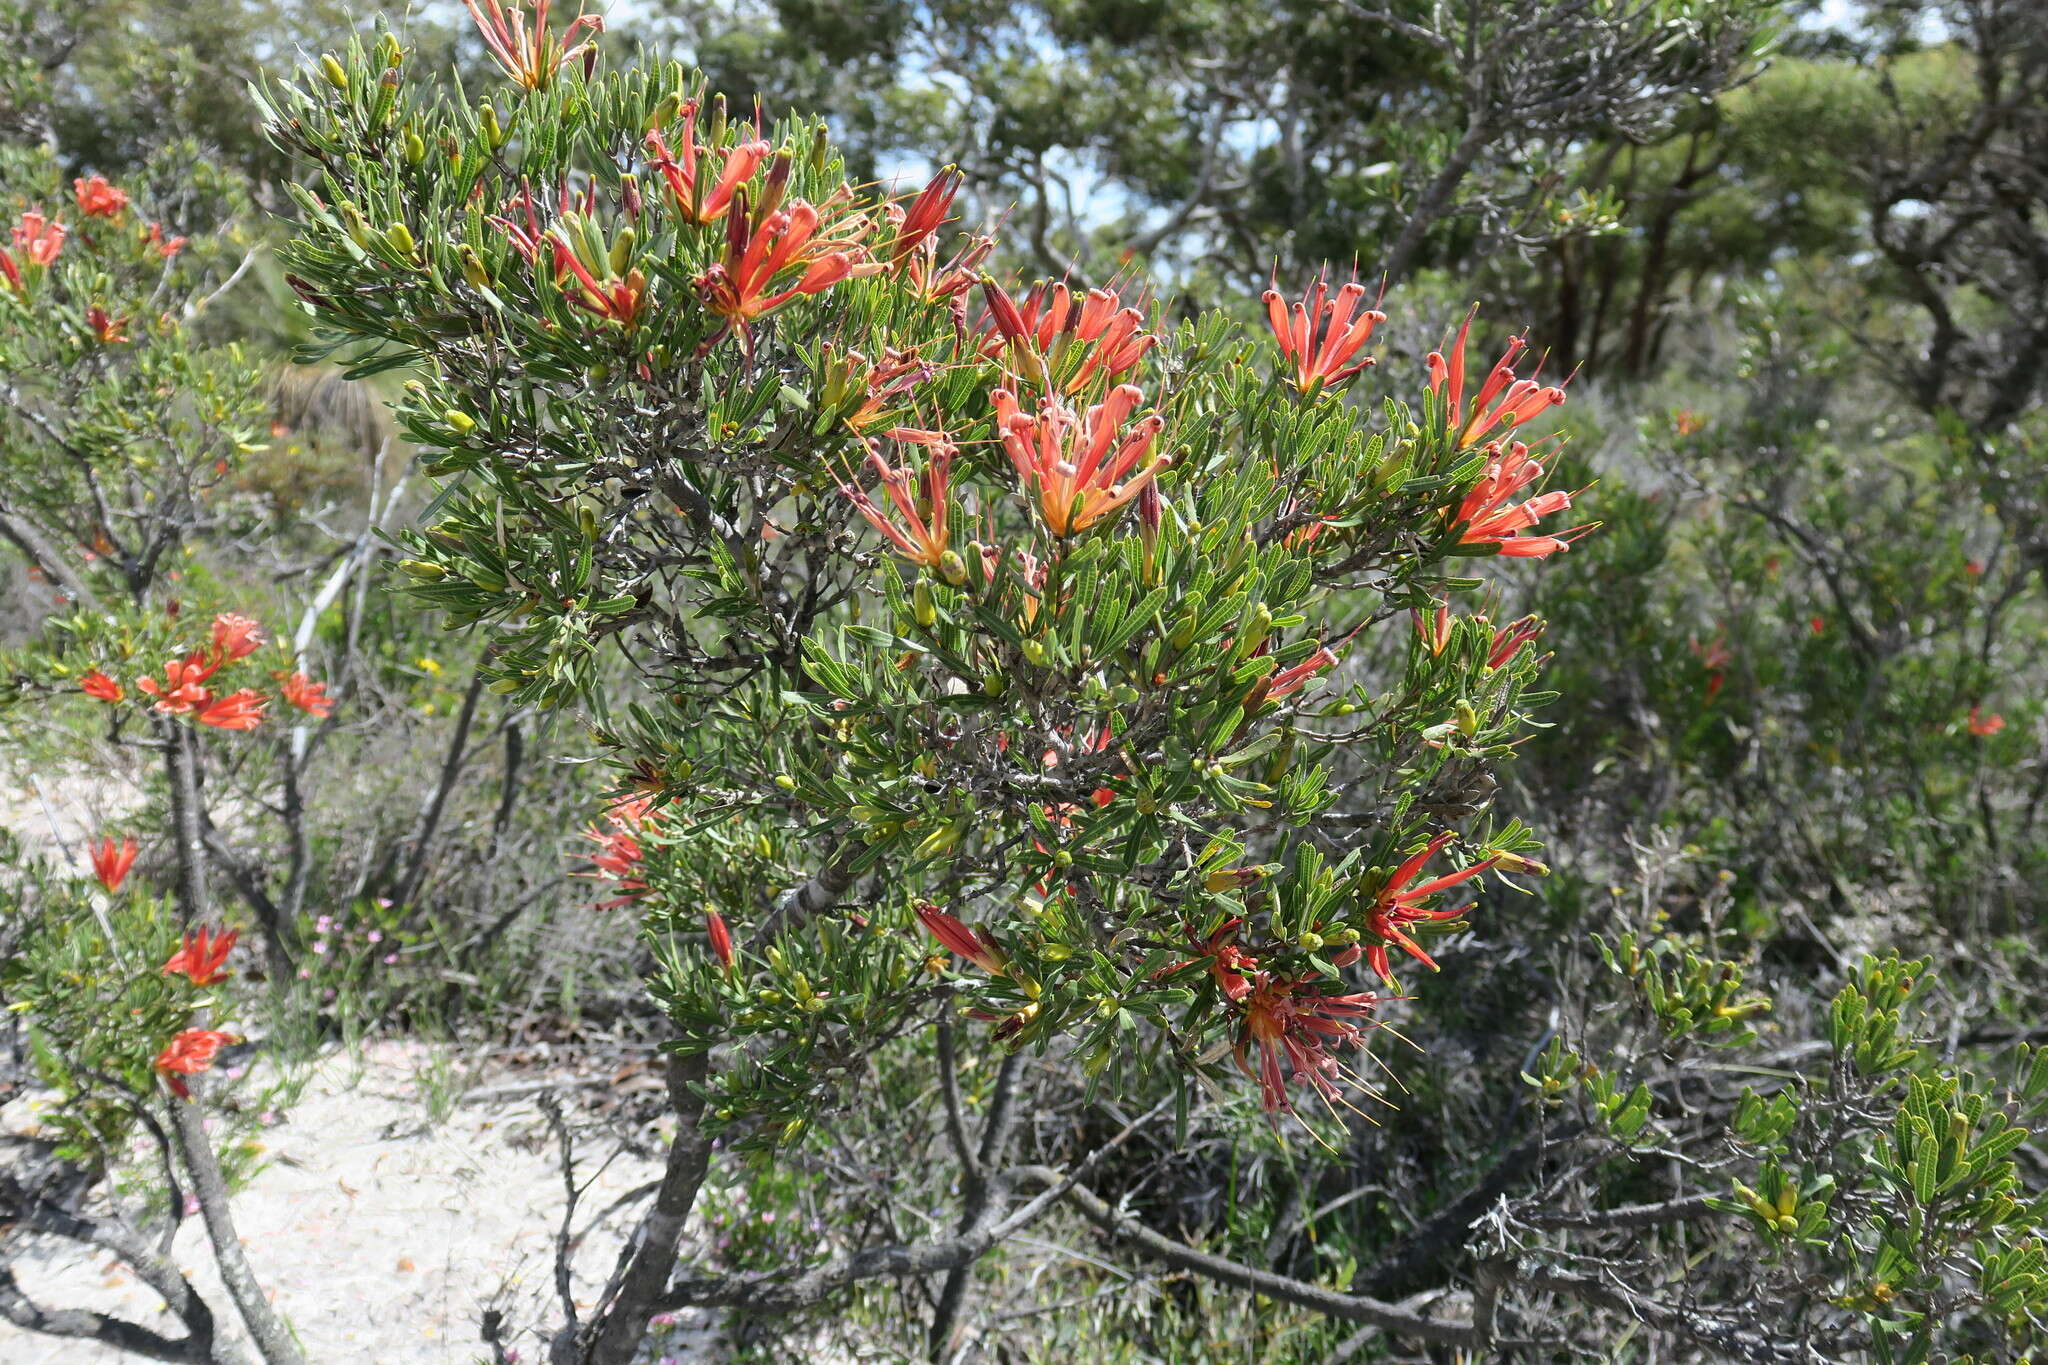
[[382, 1238]]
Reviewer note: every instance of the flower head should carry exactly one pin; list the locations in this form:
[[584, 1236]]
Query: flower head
[[589, 281], [1228, 963], [98, 684], [720, 936], [239, 710], [1082, 469], [790, 252], [200, 958], [98, 199], [111, 861], [37, 238], [1509, 639], [530, 57], [235, 637], [106, 329], [1490, 516], [927, 213], [165, 247], [960, 939], [309, 696], [919, 530], [1319, 336], [188, 1054], [1984, 726], [182, 689], [1400, 904], [620, 854], [1283, 1020], [702, 180], [1503, 401], [1105, 337]]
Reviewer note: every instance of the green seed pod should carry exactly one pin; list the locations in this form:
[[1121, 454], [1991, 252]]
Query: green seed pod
[[415, 148], [952, 568], [474, 270], [391, 52], [622, 251], [333, 72], [399, 238], [921, 604], [494, 132], [459, 420], [422, 569], [664, 112], [586, 521]]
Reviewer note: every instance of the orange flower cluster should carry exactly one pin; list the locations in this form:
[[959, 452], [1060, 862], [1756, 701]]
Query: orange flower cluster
[[1081, 469], [183, 689]]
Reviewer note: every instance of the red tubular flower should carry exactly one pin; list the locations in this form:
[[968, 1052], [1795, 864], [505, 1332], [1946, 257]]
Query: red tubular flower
[[1435, 629], [37, 238], [1319, 336], [239, 710], [235, 637], [620, 855], [616, 299], [107, 329], [1509, 639], [1228, 963], [111, 861], [530, 58], [960, 939], [1109, 336], [1288, 681], [181, 690], [1081, 469], [309, 696], [188, 1054], [1984, 726], [870, 391], [721, 938], [1282, 1020], [921, 537], [98, 199], [926, 215], [201, 957], [98, 684], [1399, 905], [702, 180], [1503, 401], [164, 248], [1490, 516], [1715, 657], [742, 288]]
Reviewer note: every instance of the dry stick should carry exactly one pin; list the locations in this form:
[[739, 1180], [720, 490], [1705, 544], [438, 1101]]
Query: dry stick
[[451, 771], [126, 1337], [152, 1268], [1356, 1308], [274, 1340], [981, 1189], [180, 766], [621, 1323]]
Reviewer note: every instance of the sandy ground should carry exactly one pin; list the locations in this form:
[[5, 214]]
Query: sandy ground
[[384, 1237]]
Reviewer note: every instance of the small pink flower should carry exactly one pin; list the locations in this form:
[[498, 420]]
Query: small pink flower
[[390, 958]]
